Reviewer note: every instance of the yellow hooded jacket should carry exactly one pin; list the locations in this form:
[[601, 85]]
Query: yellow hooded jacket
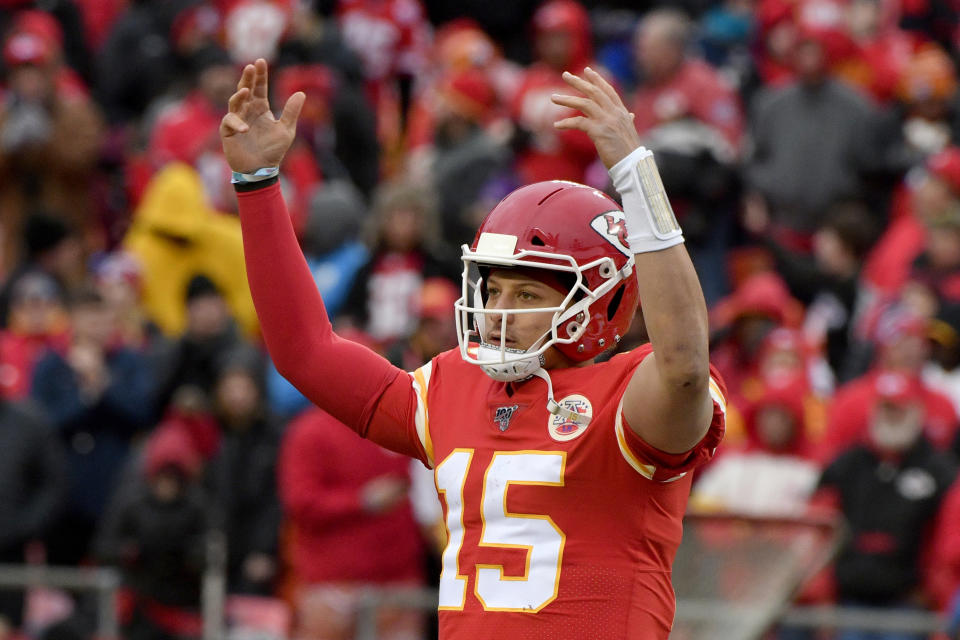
[[176, 236]]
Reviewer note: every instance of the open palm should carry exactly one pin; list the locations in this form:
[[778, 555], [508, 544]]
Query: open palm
[[252, 138]]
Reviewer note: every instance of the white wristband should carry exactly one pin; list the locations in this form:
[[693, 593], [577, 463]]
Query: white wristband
[[651, 224]]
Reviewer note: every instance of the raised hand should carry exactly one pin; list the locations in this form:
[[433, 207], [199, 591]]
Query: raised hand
[[606, 120], [252, 138]]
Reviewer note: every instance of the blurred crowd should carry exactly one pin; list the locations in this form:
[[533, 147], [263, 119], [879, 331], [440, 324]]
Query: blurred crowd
[[811, 149]]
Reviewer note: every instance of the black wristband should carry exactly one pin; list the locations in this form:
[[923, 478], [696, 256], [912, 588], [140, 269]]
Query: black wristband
[[243, 187]]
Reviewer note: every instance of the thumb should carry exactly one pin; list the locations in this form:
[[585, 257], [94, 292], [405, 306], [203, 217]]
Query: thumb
[[291, 110]]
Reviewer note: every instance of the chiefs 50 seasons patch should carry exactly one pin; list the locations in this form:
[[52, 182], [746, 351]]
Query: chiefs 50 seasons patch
[[564, 428]]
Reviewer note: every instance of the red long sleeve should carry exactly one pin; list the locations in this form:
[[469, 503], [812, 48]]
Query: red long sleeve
[[349, 381]]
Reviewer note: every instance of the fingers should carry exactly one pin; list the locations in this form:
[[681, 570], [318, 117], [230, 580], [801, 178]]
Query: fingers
[[585, 105], [260, 79], [601, 83], [235, 104], [232, 124], [588, 89], [291, 110], [574, 122], [246, 78]]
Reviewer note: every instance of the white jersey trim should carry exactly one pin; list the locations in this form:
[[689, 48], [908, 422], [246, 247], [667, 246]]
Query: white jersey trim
[[420, 379], [648, 470]]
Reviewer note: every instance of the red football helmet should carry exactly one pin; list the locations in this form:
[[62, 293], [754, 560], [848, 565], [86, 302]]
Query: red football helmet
[[566, 228]]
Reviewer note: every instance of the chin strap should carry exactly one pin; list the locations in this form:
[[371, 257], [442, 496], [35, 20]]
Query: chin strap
[[552, 405]]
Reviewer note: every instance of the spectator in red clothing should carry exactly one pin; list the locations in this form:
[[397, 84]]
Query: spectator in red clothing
[[942, 575], [675, 87], [930, 196], [38, 321], [562, 41], [776, 36], [742, 322], [187, 131], [879, 51], [392, 38], [903, 351], [351, 525], [772, 473]]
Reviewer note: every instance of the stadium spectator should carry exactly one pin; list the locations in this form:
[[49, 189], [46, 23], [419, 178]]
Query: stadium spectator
[[901, 358], [137, 63], [187, 367], [51, 247], [242, 475], [404, 251], [690, 116], [742, 321], [562, 42], [155, 533], [890, 489], [942, 368], [827, 281], [392, 38], [32, 492], [926, 196], [38, 322], [434, 333], [175, 235], [814, 141], [186, 131], [351, 524], [925, 119], [339, 131], [467, 150], [51, 134], [773, 473], [119, 278], [97, 397]]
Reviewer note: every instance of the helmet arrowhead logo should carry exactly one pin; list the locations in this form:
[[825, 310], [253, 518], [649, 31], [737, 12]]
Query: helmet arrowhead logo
[[612, 226]]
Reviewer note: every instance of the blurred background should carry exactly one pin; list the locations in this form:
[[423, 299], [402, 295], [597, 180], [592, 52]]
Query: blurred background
[[160, 480]]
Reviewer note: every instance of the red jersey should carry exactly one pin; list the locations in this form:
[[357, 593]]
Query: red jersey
[[556, 530]]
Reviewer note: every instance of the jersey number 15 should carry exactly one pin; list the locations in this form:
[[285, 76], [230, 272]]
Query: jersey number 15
[[538, 535]]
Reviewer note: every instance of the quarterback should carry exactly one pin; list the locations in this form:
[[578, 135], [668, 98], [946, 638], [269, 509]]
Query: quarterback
[[563, 480]]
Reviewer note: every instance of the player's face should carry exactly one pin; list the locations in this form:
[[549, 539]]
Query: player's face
[[509, 289]]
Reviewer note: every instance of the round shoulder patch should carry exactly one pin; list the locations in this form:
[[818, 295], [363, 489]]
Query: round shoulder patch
[[562, 428]]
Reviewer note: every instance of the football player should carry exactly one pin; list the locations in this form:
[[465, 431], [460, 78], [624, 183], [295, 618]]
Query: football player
[[563, 480]]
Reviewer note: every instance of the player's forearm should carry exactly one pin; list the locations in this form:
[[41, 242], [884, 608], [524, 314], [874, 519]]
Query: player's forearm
[[344, 378], [676, 317], [289, 307]]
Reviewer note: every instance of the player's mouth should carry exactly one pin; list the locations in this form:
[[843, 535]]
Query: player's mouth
[[496, 341]]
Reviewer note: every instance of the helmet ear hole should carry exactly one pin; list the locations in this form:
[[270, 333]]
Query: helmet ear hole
[[538, 241], [615, 303]]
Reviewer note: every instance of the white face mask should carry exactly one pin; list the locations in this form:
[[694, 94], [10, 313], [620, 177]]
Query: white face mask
[[505, 364]]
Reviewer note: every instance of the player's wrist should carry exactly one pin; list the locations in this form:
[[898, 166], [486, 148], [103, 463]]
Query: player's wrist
[[651, 224], [260, 175], [259, 179]]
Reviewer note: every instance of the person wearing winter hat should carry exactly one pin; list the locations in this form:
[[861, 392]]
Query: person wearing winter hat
[[889, 488], [242, 475], [154, 532]]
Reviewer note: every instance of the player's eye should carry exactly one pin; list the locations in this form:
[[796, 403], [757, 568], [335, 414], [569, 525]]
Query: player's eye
[[493, 291], [528, 296]]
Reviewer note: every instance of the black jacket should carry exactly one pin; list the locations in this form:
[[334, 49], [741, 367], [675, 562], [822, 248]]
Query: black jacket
[[159, 546], [32, 476], [889, 507]]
